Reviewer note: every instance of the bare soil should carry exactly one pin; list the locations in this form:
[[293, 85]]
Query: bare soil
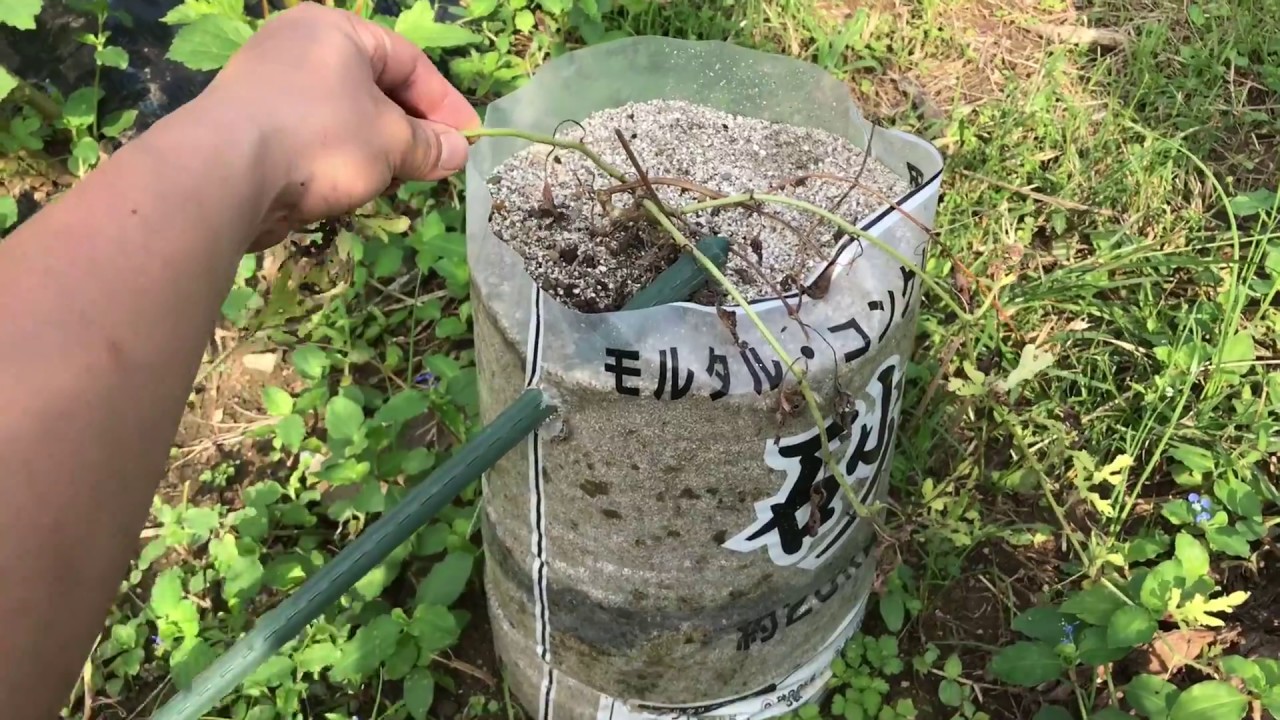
[[585, 240]]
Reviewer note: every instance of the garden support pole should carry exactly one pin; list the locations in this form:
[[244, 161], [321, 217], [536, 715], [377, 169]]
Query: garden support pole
[[282, 624], [512, 425]]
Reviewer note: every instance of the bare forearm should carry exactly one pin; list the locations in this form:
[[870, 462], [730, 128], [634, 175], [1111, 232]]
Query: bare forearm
[[106, 300]]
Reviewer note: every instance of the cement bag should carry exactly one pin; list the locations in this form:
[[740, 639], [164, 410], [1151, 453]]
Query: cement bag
[[665, 547]]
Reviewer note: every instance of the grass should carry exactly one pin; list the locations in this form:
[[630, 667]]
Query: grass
[[1044, 559]]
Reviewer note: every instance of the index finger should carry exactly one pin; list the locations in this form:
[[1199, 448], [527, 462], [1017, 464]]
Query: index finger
[[408, 77]]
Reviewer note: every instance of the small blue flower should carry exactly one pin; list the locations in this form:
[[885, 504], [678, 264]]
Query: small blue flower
[[1069, 632], [425, 378], [1203, 517], [1204, 503], [155, 640], [1194, 498]]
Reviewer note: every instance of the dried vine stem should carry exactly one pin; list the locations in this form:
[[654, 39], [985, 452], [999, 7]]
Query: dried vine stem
[[541, 139], [811, 400], [848, 227]]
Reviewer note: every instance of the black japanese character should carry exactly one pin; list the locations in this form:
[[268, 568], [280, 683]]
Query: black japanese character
[[826, 592], [718, 368], [617, 365], [678, 388], [756, 366], [914, 176], [862, 455], [791, 533], [908, 287], [797, 611], [760, 630], [878, 306], [853, 324]]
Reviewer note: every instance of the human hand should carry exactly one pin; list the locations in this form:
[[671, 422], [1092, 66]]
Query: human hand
[[341, 107]]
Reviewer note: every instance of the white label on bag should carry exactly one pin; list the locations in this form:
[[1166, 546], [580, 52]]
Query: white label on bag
[[806, 521]]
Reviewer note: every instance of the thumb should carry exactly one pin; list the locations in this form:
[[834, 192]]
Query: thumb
[[435, 151]]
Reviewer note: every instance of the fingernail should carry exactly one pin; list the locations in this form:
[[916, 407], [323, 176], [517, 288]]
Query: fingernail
[[453, 152]]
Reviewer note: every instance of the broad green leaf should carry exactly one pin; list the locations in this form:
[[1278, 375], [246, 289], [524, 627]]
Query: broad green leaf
[[1032, 361], [1152, 696], [242, 578], [1270, 670], [1110, 713], [1238, 349], [1271, 701], [209, 41], [81, 108], [262, 494], [376, 580], [277, 402], [419, 691], [117, 122], [84, 155], [481, 8], [1210, 700], [446, 581], [431, 539], [371, 646], [1130, 627], [1160, 584], [1146, 547], [1192, 555], [524, 21], [1238, 497], [1253, 203], [1195, 458], [8, 212], [275, 671], [7, 83], [1093, 649], [1245, 669], [344, 472], [239, 303], [952, 667], [451, 327], [435, 628], [20, 13], [112, 57], [1027, 664], [1228, 540], [1041, 623], [192, 10], [291, 432], [419, 25], [166, 592], [343, 418], [892, 610], [389, 261], [310, 361], [417, 460], [371, 499], [1053, 712], [284, 572], [403, 659], [200, 521], [317, 656], [1093, 605], [403, 406], [1178, 512], [950, 693], [192, 657]]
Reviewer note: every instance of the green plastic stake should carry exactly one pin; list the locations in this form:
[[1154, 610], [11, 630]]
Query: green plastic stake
[[419, 506], [684, 278]]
